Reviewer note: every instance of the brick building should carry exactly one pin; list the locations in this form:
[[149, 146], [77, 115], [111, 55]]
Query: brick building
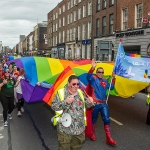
[[133, 25], [69, 29], [104, 22]]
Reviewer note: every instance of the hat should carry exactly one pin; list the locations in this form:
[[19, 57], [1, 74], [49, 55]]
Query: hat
[[6, 70]]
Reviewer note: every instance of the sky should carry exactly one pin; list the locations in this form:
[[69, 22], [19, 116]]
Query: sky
[[18, 17]]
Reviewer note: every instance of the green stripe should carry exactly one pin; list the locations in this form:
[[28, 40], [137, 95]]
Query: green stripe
[[78, 71], [43, 68]]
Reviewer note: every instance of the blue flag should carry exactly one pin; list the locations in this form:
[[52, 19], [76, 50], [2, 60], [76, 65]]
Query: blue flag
[[135, 68]]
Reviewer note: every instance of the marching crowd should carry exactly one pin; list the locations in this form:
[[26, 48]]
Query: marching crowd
[[78, 103], [10, 89]]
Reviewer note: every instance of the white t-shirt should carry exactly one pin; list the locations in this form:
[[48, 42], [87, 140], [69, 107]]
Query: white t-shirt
[[18, 88]]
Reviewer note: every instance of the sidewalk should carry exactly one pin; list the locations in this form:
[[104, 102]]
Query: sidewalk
[[3, 132]]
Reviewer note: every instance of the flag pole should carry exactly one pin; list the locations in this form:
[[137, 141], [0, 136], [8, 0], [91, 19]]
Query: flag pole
[[111, 79]]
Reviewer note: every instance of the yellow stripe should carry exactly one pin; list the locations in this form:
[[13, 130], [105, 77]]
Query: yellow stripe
[[55, 66]]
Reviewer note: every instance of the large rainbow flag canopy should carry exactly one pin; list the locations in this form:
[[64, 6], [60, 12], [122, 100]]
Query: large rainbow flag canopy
[[39, 69]]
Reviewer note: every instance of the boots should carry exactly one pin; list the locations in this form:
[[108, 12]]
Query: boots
[[93, 137], [109, 140]]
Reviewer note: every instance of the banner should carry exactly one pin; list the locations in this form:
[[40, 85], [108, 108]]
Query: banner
[[132, 66]]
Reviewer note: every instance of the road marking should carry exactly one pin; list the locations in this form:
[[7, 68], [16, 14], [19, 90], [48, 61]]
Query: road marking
[[119, 123]]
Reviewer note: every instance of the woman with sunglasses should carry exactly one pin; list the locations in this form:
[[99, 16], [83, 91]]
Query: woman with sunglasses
[[97, 88], [7, 95]]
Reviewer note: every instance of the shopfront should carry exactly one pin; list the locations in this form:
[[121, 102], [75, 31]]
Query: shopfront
[[134, 41], [86, 49], [61, 50]]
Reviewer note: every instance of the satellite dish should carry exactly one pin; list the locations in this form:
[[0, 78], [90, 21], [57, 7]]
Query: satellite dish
[[66, 120]]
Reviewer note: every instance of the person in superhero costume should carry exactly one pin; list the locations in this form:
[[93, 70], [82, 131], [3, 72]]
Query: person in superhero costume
[[97, 88]]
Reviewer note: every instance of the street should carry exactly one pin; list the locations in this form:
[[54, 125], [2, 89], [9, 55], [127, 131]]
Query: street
[[34, 131]]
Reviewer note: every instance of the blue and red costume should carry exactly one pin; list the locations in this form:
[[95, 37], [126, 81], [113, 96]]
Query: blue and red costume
[[97, 88]]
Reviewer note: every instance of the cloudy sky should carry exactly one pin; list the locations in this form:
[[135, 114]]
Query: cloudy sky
[[18, 17]]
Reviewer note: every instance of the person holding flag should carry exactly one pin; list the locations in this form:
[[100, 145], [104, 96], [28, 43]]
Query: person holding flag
[[71, 100], [97, 88]]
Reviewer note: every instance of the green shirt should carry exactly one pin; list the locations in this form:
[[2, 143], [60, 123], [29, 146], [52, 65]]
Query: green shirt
[[8, 89]]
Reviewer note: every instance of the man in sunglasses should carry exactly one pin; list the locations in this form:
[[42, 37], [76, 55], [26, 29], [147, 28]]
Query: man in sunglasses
[[73, 102], [97, 88]]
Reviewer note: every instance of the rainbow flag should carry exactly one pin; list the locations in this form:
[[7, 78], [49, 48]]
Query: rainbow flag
[[43, 69], [60, 82]]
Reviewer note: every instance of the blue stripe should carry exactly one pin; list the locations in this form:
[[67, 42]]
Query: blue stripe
[[30, 69]]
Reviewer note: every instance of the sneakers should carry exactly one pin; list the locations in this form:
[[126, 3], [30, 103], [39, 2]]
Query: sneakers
[[22, 110], [5, 123], [9, 116], [19, 114]]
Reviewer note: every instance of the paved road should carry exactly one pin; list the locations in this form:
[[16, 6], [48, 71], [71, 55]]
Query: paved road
[[34, 130]]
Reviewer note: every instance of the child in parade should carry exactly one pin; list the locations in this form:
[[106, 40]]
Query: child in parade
[[19, 93]]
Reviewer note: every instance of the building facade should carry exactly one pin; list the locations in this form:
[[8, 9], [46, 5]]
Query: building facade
[[69, 29], [104, 22], [133, 26]]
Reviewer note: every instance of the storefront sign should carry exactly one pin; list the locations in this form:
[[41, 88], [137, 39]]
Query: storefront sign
[[130, 33], [84, 42], [145, 20]]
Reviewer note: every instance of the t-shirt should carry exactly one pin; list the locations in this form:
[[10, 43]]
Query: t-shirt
[[18, 88], [8, 89]]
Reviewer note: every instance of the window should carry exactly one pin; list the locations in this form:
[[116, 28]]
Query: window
[[104, 26], [79, 13], [104, 4], [71, 18], [97, 27], [83, 51], [53, 27], [56, 15], [68, 18], [56, 26], [79, 32], [89, 30], [74, 2], [89, 8], [63, 8], [59, 37], [84, 31], [88, 51], [125, 19], [63, 21], [111, 2], [59, 22], [63, 36], [79, 1], [111, 23], [56, 40], [74, 16], [70, 34], [98, 5], [74, 34], [139, 15], [71, 3], [68, 4], [84, 11], [59, 10]]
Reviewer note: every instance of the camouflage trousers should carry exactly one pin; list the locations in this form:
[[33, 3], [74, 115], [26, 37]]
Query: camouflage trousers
[[70, 142]]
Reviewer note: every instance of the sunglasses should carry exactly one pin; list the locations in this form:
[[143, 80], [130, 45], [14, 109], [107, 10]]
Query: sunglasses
[[7, 72], [73, 84], [100, 72]]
